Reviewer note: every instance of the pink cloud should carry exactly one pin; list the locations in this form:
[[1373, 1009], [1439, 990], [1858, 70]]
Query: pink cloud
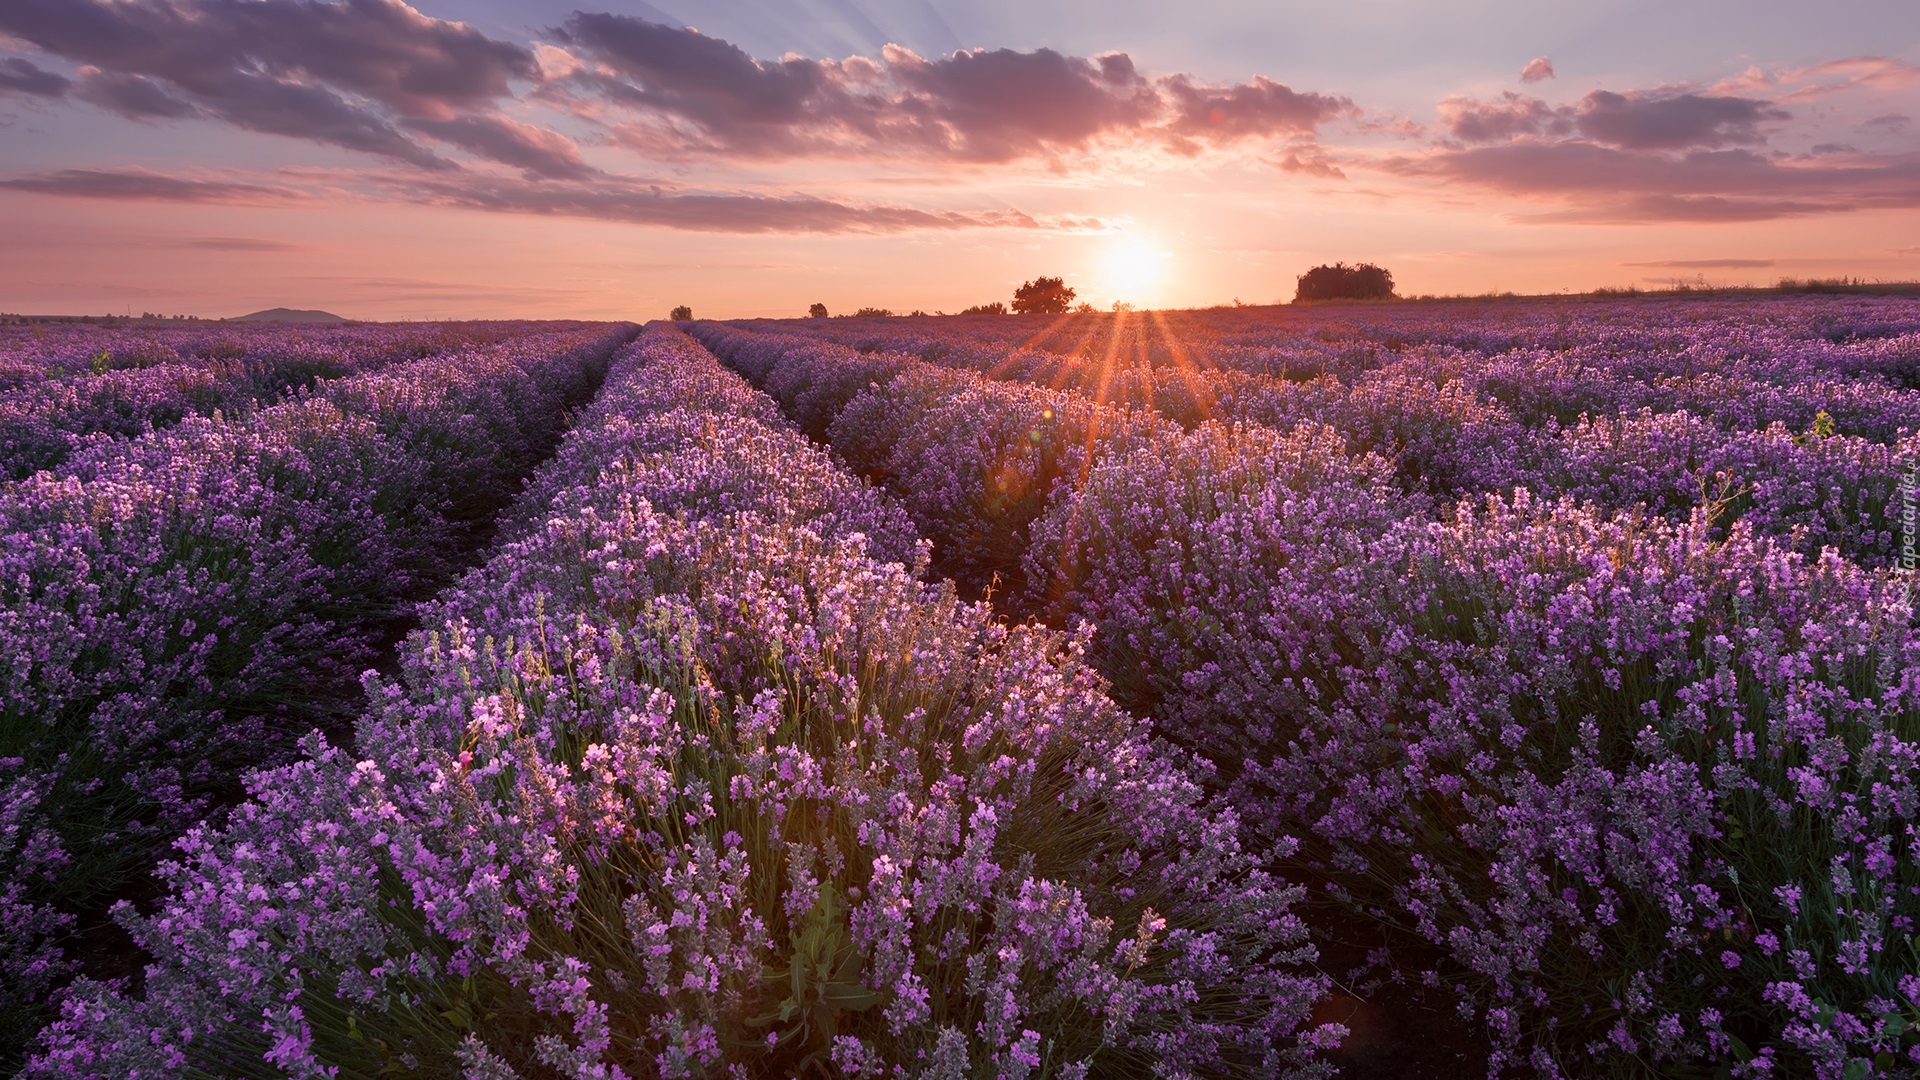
[[609, 199], [692, 95], [1511, 116], [1537, 69], [1309, 159], [1824, 79], [1595, 183]]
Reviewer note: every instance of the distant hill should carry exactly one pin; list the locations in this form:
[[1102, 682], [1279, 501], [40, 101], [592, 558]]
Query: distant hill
[[280, 314]]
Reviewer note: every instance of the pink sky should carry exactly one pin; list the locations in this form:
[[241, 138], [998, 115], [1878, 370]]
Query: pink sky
[[542, 160]]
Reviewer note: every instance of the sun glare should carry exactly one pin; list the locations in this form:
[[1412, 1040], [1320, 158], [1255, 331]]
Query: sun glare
[[1134, 268]]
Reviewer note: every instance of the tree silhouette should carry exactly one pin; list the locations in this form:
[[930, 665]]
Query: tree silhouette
[[1042, 296], [817, 311], [681, 313], [1343, 282], [998, 307]]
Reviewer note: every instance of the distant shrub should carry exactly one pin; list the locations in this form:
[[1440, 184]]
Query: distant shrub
[[681, 314], [995, 308], [817, 311], [873, 313], [1042, 296], [1342, 282]]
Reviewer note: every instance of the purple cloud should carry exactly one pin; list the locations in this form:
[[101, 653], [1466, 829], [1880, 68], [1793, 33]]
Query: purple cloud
[[328, 72], [18, 76], [1633, 121], [535, 151], [692, 94], [1596, 183], [609, 199], [1683, 122], [135, 97], [707, 80], [141, 185]]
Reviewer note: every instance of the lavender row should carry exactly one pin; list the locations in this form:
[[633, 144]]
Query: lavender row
[[1654, 788], [694, 775], [174, 608], [1651, 783], [973, 461], [154, 382], [58, 351], [1810, 489], [1773, 340]]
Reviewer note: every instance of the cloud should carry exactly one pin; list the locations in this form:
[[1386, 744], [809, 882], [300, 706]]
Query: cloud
[[1309, 159], [682, 93], [1508, 118], [1633, 121], [1254, 109], [1704, 264], [1685, 121], [236, 243], [1596, 183], [140, 184], [19, 76], [135, 97], [535, 151], [698, 211], [999, 105], [1671, 153], [328, 72], [608, 199], [1537, 69]]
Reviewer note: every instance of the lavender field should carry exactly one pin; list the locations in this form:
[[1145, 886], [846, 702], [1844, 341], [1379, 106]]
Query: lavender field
[[1506, 688]]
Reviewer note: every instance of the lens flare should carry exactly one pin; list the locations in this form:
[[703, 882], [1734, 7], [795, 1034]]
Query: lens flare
[[1134, 268]]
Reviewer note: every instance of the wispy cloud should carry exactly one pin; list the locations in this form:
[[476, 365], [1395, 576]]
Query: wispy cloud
[[1704, 264], [144, 185], [236, 243], [701, 211]]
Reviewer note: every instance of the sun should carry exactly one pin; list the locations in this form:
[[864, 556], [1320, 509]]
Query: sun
[[1133, 268]]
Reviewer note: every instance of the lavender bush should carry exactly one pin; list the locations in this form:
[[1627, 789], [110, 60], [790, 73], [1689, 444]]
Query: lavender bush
[[174, 608], [1618, 711], [684, 781]]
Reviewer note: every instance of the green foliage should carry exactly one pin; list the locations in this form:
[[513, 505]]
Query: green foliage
[[1342, 282], [1043, 296]]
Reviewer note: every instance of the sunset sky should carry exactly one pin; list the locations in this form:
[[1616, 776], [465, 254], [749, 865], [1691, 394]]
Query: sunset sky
[[749, 157]]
